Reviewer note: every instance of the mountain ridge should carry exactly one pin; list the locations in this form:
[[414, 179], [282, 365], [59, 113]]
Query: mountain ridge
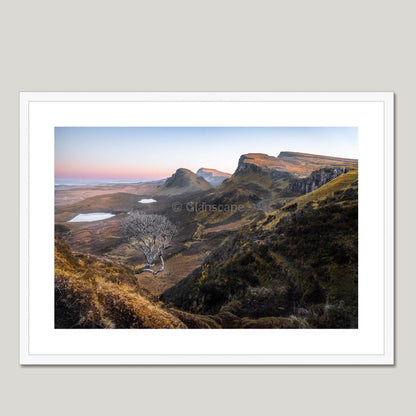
[[183, 181], [295, 163]]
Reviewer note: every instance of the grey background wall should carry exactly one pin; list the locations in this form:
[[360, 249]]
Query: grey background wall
[[207, 46]]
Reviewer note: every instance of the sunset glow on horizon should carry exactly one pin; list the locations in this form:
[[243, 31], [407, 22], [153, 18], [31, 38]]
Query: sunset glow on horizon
[[152, 153], [96, 171]]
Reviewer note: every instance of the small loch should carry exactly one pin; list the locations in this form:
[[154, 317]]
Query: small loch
[[94, 216], [147, 201]]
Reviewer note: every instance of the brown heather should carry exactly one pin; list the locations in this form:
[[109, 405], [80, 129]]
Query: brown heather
[[94, 294]]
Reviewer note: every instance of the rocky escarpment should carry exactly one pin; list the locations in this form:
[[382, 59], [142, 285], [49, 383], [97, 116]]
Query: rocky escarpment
[[299, 165], [316, 179], [255, 162]]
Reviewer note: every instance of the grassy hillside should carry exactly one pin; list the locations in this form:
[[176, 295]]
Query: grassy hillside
[[94, 294], [300, 261], [340, 190]]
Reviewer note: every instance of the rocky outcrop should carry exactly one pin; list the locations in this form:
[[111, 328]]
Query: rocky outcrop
[[255, 162], [316, 179]]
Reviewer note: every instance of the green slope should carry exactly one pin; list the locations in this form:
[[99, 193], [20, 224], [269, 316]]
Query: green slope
[[300, 261]]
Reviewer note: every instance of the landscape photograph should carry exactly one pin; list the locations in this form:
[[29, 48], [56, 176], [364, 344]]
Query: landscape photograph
[[206, 227]]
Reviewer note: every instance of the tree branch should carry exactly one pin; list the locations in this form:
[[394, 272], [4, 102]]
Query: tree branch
[[151, 234]]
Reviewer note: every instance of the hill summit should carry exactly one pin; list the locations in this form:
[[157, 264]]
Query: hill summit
[[183, 181], [213, 176]]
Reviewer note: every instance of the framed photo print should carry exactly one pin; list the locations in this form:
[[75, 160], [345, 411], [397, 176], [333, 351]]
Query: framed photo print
[[207, 228]]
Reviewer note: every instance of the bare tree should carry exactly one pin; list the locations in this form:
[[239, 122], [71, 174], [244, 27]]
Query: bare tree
[[151, 234]]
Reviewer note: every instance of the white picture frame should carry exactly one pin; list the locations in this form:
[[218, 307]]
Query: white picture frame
[[371, 344]]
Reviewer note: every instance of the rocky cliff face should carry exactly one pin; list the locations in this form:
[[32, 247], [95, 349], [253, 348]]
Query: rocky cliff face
[[255, 162], [316, 179]]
